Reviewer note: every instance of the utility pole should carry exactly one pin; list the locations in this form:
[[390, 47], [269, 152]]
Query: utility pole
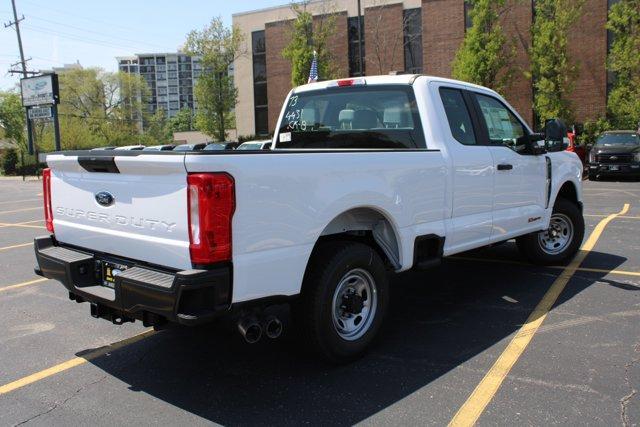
[[359, 39], [24, 72]]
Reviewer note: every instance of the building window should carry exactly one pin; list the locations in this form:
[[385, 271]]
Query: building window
[[468, 22], [260, 100], [355, 68], [413, 40]]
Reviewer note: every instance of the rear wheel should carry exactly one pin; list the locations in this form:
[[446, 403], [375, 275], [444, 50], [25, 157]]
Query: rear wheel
[[560, 242], [344, 300]]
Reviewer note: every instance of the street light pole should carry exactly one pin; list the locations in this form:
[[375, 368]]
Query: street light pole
[[360, 40]]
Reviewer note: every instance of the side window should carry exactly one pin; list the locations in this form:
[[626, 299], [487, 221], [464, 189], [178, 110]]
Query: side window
[[458, 116], [503, 126]]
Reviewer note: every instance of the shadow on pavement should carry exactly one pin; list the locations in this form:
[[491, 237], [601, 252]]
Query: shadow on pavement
[[438, 319]]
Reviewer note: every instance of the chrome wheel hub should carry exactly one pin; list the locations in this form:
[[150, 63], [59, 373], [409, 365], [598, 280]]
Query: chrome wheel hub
[[355, 302], [558, 236]]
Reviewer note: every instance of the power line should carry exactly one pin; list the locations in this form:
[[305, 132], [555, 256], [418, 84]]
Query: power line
[[93, 32], [81, 38], [64, 12]]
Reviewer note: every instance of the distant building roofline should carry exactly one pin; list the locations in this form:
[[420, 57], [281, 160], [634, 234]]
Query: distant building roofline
[[270, 8]]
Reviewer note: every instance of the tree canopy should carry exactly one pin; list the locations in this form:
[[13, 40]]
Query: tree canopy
[[624, 61], [486, 54], [552, 70], [218, 46], [307, 35]]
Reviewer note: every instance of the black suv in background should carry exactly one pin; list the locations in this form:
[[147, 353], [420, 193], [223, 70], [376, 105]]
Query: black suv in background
[[616, 152]]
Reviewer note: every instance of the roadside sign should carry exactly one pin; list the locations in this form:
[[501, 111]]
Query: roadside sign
[[39, 90], [39, 113]]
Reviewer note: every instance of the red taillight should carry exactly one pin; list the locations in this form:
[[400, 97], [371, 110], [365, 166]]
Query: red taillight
[[211, 203], [46, 191]]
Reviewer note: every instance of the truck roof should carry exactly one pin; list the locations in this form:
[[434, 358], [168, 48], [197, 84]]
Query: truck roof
[[385, 80]]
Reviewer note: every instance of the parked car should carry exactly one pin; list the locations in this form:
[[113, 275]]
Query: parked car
[[574, 147], [164, 147], [130, 147], [190, 147], [104, 148], [615, 153], [255, 145], [367, 175], [221, 146]]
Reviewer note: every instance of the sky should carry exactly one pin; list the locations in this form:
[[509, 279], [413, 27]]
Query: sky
[[95, 32]]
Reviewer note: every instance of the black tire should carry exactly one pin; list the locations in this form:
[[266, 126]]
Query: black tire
[[330, 263], [532, 248]]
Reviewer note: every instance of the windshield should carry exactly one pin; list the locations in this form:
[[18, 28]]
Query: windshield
[[357, 117], [619, 139]]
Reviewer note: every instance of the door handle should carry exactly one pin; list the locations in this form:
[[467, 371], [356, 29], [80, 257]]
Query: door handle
[[505, 167]]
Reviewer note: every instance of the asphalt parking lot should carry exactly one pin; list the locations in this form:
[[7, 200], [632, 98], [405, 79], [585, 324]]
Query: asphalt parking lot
[[484, 335]]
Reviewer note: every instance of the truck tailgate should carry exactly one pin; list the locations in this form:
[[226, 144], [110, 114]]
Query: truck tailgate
[[143, 214]]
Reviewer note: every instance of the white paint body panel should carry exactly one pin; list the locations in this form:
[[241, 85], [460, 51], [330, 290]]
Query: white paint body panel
[[285, 200], [148, 220]]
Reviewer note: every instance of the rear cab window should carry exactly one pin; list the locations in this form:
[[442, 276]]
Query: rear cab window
[[458, 116], [358, 117]]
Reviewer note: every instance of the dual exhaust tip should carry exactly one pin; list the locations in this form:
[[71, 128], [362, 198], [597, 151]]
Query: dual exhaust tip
[[252, 329]]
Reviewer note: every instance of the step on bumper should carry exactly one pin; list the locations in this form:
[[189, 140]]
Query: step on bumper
[[152, 295]]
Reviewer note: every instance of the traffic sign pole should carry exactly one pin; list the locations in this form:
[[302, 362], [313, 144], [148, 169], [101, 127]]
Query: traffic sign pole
[[56, 126]]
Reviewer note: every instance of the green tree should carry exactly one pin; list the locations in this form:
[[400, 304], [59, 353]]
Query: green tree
[[552, 70], [485, 56], [157, 130], [10, 162], [215, 92], [182, 121], [108, 105], [308, 35], [623, 104], [12, 119]]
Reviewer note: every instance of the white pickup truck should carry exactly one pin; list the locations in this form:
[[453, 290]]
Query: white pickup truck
[[365, 176]]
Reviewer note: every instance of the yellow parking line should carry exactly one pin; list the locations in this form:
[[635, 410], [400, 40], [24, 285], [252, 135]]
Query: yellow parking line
[[509, 261], [475, 405], [4, 225], [23, 284], [620, 217], [21, 210], [76, 361], [22, 245], [19, 201]]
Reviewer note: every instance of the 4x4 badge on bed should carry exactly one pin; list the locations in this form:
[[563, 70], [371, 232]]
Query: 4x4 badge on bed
[[104, 198]]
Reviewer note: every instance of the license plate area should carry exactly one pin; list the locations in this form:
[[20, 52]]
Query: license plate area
[[614, 167], [110, 270]]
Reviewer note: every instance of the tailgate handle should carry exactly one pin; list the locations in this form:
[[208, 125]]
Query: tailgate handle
[[98, 164]]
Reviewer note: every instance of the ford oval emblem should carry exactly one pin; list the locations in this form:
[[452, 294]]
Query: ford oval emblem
[[104, 198]]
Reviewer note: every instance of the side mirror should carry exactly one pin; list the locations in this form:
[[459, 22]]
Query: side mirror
[[535, 144], [556, 138]]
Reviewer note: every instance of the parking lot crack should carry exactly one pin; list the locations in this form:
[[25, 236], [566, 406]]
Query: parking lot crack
[[57, 405], [624, 402]]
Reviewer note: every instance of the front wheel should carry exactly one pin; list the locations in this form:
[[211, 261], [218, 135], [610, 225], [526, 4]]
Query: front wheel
[[560, 242], [344, 299]]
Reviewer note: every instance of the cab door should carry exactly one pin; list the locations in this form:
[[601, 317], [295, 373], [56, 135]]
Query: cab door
[[472, 174], [519, 179]]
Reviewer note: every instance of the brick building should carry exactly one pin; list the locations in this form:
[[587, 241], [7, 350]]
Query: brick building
[[418, 36]]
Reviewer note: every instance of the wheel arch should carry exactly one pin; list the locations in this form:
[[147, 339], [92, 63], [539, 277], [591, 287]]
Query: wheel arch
[[569, 191], [368, 225]]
